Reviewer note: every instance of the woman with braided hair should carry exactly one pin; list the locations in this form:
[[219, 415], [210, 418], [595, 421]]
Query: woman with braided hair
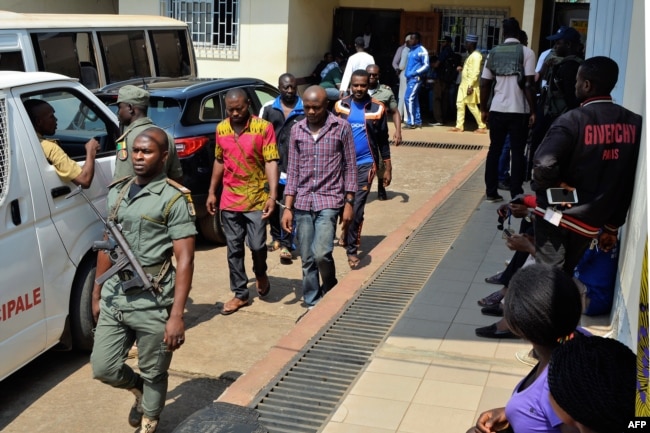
[[592, 383], [543, 306]]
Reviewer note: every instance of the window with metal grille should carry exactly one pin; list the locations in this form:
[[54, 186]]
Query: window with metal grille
[[213, 24], [485, 23], [4, 149]]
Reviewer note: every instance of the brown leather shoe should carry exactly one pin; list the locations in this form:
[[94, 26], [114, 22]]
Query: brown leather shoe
[[233, 305]]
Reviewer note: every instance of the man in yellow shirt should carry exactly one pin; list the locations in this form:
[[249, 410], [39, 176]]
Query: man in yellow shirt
[[44, 121], [468, 91]]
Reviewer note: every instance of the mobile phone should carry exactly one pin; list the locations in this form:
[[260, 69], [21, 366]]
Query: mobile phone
[[561, 195], [507, 232]]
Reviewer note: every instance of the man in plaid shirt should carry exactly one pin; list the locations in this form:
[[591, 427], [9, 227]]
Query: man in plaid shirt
[[322, 179]]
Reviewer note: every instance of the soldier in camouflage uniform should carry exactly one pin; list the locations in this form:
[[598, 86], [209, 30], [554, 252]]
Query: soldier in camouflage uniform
[[157, 219]]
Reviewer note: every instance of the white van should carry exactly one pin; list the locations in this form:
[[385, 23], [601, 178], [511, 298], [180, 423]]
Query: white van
[[46, 258], [97, 49]]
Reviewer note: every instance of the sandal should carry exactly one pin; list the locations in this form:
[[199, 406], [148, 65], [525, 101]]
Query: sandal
[[233, 305], [353, 261], [493, 298], [285, 254], [273, 245], [341, 242]]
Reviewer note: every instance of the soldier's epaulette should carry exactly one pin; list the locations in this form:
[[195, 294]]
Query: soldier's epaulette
[[118, 181], [178, 186]]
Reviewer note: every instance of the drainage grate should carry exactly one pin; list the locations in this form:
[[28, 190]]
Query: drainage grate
[[451, 146], [310, 390]]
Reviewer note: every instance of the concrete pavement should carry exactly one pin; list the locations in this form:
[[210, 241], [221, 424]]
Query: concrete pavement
[[220, 349], [431, 369]]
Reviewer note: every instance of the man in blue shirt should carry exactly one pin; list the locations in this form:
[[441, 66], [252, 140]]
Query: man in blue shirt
[[283, 112], [367, 117], [416, 68]]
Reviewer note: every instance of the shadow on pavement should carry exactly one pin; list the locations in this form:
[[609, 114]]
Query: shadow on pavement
[[30, 383]]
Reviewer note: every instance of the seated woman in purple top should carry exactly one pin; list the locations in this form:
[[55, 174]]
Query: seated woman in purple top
[[543, 306]]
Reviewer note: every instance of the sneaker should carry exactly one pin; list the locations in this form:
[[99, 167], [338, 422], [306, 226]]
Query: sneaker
[[148, 425], [528, 357], [493, 198], [503, 186], [135, 414], [435, 124]]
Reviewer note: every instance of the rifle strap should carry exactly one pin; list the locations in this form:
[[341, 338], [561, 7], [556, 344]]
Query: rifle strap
[[120, 197], [164, 268]]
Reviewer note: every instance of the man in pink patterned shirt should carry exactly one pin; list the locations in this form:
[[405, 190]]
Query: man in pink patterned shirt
[[246, 161]]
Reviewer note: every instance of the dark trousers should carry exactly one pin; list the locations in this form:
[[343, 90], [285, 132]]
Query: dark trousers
[[519, 257], [364, 181], [542, 125], [277, 233], [240, 227], [557, 246], [502, 124]]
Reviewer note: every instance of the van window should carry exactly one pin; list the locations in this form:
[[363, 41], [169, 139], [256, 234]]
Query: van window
[[57, 52], [11, 61], [171, 53], [78, 120], [125, 54]]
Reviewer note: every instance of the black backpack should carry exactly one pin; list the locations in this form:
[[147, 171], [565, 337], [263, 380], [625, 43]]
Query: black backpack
[[552, 95]]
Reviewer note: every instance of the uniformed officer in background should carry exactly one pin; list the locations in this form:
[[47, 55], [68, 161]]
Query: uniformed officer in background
[[157, 219], [132, 106]]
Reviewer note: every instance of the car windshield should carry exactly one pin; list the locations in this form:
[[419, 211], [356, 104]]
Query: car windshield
[[164, 112]]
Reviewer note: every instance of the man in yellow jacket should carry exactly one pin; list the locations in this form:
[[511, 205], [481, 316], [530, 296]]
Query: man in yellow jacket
[[468, 91]]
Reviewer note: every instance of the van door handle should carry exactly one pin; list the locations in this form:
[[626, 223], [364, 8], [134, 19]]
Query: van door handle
[[60, 190], [15, 213]]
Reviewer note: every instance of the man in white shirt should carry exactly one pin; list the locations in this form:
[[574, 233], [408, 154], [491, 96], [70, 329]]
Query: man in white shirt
[[510, 111], [360, 60], [399, 64]]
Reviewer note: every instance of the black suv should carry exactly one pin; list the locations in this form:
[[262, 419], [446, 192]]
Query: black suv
[[189, 109]]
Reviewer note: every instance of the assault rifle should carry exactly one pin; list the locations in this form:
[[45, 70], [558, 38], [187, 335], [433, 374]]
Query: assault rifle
[[124, 261]]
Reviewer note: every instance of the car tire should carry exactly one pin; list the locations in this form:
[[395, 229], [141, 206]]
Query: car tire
[[211, 228], [81, 313]]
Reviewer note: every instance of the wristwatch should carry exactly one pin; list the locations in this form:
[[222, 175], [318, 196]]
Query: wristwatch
[[350, 200]]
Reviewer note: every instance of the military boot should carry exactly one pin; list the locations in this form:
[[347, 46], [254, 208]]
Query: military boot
[[148, 425], [135, 414]]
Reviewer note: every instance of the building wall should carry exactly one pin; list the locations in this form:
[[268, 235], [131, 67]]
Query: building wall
[[263, 43], [310, 34], [60, 7], [263, 39], [605, 38], [141, 7]]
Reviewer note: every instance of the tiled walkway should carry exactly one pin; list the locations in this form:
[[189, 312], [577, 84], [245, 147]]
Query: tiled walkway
[[432, 372]]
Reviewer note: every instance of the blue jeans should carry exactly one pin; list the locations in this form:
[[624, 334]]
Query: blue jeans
[[412, 102], [315, 231]]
